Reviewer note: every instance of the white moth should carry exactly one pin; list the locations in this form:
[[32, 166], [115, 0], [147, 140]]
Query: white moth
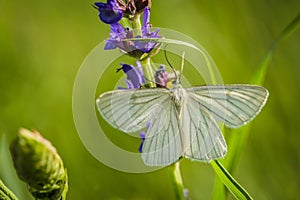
[[183, 121]]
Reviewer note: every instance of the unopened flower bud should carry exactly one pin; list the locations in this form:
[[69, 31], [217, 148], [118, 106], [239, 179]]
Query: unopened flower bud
[[38, 164], [133, 7]]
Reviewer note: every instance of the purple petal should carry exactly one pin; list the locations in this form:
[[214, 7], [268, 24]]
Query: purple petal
[[129, 84], [116, 35], [146, 15], [117, 30], [110, 45], [132, 75], [148, 124], [146, 25], [122, 88], [140, 70], [144, 46], [141, 147], [109, 12], [142, 136]]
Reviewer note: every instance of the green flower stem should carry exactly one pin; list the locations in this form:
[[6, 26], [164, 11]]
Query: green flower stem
[[5, 193], [124, 22], [177, 181], [148, 73], [136, 25], [146, 63]]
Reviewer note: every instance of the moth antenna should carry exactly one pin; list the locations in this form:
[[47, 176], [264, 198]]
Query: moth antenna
[[170, 63], [182, 64]]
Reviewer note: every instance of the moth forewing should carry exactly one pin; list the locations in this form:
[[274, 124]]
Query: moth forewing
[[233, 105]]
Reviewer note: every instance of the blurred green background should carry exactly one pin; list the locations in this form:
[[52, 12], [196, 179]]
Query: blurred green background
[[43, 43]]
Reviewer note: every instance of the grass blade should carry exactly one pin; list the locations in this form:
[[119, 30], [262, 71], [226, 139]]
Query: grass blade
[[260, 74], [233, 186], [239, 136]]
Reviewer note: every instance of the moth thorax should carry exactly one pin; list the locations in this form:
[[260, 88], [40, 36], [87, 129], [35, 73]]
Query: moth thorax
[[178, 95]]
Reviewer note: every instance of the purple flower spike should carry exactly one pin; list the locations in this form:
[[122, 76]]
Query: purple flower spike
[[109, 12], [134, 78]]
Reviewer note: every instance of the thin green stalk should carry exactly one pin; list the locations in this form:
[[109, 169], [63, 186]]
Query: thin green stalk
[[136, 25], [148, 73], [177, 181], [124, 22], [5, 193]]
